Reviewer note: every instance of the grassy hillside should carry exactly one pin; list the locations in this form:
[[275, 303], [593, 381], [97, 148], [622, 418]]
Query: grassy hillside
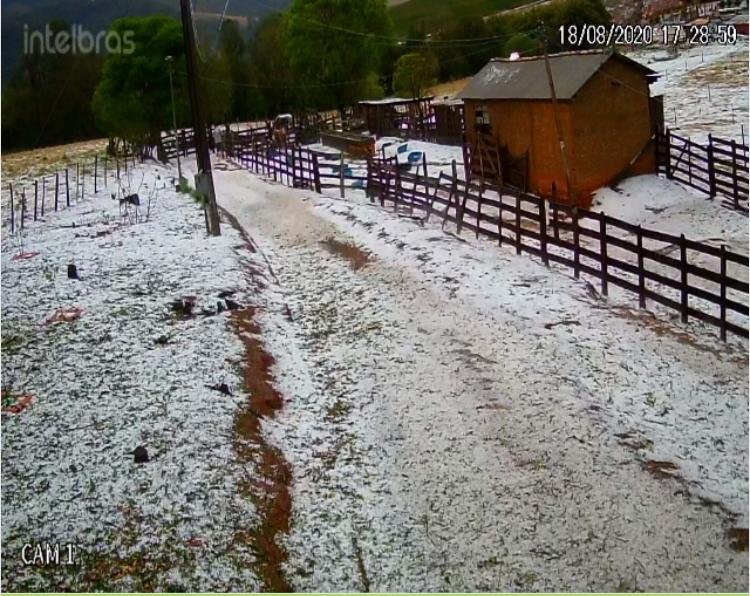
[[429, 15]]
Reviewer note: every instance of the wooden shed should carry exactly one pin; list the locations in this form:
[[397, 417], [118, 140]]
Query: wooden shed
[[396, 116], [607, 120]]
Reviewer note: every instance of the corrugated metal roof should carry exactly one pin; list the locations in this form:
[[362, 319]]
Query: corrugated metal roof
[[394, 100], [526, 78]]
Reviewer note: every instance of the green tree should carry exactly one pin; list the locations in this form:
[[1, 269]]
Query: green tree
[[553, 16], [270, 73], [132, 101], [234, 52], [335, 46], [464, 59], [47, 99], [217, 86], [414, 73], [524, 43]]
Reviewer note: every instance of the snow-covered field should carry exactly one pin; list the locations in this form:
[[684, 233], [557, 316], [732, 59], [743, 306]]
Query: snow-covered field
[[129, 372], [455, 417], [474, 421], [704, 87]]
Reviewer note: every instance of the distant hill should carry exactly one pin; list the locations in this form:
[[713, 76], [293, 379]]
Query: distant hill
[[96, 15], [430, 15]]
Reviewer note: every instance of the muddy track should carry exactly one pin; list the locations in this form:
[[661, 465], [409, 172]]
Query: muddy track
[[269, 487]]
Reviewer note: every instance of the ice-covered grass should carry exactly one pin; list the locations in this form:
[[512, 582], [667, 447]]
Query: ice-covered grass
[[131, 371], [461, 418], [704, 87]]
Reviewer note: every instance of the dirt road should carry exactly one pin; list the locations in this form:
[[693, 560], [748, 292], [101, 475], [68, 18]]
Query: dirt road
[[459, 418]]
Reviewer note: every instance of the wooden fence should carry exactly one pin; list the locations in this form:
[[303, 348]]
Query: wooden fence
[[294, 166], [695, 279], [717, 168], [60, 189]]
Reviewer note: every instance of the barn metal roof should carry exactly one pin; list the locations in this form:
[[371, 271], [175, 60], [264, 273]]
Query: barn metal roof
[[526, 78]]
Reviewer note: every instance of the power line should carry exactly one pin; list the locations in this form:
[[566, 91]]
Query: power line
[[221, 22], [323, 85], [391, 39]]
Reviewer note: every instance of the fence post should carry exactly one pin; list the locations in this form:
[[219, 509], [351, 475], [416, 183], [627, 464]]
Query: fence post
[[641, 273], [668, 153], [44, 192], [543, 230], [12, 212], [105, 171], [711, 167], [690, 161], [36, 193], [480, 200], [499, 219], [397, 196], [96, 169], [683, 280], [341, 174], [603, 250], [723, 293], [67, 188], [316, 172], [23, 207], [735, 189], [426, 186], [294, 169], [518, 223], [555, 220], [57, 188]]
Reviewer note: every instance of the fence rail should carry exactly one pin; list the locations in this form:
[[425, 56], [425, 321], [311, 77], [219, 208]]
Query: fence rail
[[717, 168], [697, 280]]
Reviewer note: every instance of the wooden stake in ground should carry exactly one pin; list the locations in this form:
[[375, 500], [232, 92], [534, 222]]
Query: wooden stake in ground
[[12, 212]]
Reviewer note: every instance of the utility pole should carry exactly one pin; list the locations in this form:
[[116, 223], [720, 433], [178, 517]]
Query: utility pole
[[558, 126], [204, 182], [170, 60]]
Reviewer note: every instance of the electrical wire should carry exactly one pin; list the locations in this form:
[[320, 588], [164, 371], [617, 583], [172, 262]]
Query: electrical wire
[[195, 33], [221, 22], [323, 85], [391, 39]]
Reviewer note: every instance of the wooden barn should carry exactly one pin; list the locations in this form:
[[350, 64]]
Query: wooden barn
[[607, 122]]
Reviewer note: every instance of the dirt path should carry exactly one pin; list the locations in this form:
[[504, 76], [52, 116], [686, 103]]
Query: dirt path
[[431, 451]]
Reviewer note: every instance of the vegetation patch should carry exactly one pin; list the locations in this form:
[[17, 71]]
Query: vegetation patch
[[356, 256]]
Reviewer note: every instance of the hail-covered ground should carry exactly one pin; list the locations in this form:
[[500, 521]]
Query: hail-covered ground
[[455, 416], [94, 368], [704, 88], [462, 418]]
